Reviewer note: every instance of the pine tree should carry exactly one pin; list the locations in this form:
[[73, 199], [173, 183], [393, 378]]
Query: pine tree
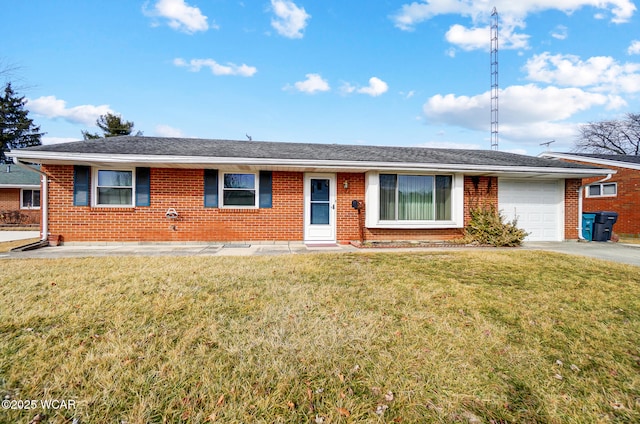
[[111, 126], [16, 129]]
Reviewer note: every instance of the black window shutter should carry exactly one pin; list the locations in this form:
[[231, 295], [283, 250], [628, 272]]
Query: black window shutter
[[210, 188], [143, 187], [81, 185], [266, 196]]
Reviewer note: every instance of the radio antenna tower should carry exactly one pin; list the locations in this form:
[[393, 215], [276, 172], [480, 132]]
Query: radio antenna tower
[[494, 79]]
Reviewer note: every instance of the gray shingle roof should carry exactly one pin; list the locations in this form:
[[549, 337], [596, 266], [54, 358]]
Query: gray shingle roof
[[619, 158], [212, 148]]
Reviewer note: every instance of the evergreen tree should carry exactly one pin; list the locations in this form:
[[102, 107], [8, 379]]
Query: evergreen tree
[[16, 129], [111, 126]]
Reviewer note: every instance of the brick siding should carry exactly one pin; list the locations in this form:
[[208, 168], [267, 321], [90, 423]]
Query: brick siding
[[10, 202], [626, 203], [183, 190]]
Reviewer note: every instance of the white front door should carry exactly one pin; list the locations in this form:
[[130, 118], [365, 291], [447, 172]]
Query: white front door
[[320, 208]]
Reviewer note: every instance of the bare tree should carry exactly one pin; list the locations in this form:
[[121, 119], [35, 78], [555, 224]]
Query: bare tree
[[618, 137]]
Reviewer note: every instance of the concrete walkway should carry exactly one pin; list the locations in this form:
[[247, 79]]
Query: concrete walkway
[[616, 252], [232, 249]]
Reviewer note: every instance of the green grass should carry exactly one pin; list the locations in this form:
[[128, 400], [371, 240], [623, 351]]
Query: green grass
[[493, 336]]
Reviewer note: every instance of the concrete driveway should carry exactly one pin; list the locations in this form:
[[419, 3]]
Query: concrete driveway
[[18, 235], [615, 252]]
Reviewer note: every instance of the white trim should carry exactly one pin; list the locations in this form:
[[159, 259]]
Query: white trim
[[372, 196], [29, 208], [23, 186], [94, 187], [598, 161], [256, 189], [601, 185], [303, 164]]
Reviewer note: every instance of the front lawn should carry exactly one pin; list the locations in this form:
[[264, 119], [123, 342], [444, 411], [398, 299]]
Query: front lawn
[[474, 336]]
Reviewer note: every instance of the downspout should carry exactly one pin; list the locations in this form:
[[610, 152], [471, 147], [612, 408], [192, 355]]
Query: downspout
[[580, 191], [44, 198]]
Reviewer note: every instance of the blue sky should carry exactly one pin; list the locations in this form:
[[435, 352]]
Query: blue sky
[[326, 71]]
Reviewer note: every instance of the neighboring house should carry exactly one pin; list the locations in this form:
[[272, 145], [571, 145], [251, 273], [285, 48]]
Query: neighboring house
[[620, 193], [19, 195], [148, 189]]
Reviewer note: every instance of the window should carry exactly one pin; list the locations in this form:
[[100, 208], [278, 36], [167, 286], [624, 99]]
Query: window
[[239, 190], [602, 190], [30, 199], [114, 188], [415, 197], [414, 201]]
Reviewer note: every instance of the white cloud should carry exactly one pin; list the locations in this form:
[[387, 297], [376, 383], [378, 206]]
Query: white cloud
[[290, 20], [414, 13], [560, 32], [526, 111], [599, 73], [180, 15], [408, 94], [195, 65], [476, 38], [634, 47], [376, 87], [52, 108], [313, 84], [163, 130], [449, 145], [57, 140]]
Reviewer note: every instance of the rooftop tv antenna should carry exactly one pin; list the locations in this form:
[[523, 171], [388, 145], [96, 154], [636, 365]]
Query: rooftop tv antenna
[[547, 143], [494, 79]]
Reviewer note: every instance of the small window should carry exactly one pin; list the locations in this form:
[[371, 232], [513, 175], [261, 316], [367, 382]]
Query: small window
[[602, 190], [239, 190], [30, 199], [114, 188]]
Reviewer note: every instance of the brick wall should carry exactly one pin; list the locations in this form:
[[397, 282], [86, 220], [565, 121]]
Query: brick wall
[[571, 187], [182, 189], [10, 202], [626, 203]]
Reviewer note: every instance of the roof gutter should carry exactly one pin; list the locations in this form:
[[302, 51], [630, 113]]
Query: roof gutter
[[44, 199], [203, 161]]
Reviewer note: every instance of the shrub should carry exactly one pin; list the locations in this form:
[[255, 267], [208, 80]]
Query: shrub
[[488, 227], [13, 217]]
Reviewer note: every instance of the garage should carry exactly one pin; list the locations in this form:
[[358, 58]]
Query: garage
[[537, 205]]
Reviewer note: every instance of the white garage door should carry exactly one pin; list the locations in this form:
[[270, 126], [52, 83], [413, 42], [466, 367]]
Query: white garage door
[[538, 206]]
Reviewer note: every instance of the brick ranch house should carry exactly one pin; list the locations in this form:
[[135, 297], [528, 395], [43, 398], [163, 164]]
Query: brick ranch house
[[149, 189], [620, 193], [19, 195]]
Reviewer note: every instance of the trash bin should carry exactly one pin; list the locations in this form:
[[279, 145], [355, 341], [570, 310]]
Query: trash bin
[[587, 225], [603, 225]]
